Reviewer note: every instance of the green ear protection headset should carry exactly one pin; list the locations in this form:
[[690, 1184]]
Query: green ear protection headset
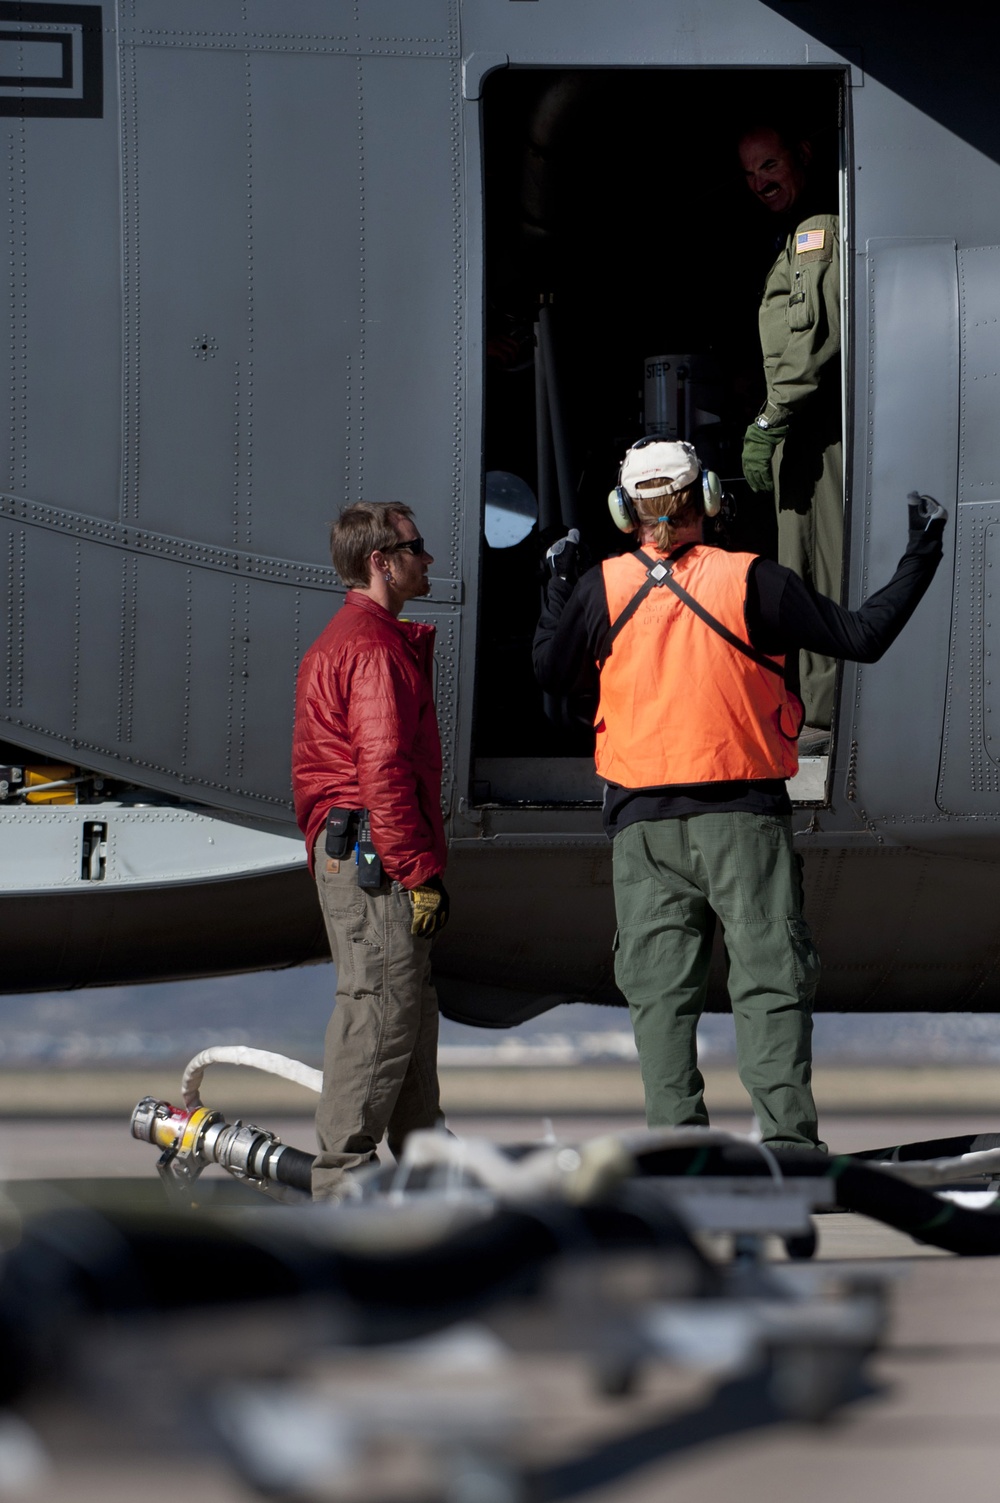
[[622, 507]]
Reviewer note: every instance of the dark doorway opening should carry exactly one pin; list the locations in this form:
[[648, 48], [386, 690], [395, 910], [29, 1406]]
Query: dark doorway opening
[[615, 200]]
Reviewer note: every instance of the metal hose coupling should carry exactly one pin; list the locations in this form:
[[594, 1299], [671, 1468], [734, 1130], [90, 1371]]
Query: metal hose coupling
[[190, 1141]]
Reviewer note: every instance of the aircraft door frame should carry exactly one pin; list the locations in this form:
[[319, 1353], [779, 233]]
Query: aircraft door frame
[[533, 780]]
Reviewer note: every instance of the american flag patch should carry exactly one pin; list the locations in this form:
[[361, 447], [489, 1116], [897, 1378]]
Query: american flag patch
[[807, 240]]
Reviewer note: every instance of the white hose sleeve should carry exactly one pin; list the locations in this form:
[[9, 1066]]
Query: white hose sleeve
[[985, 1162], [239, 1054], [576, 1174]]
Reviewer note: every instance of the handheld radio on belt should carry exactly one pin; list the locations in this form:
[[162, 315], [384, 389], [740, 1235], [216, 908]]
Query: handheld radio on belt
[[350, 829], [367, 857]]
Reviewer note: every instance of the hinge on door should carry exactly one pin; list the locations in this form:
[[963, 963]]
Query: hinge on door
[[94, 853]]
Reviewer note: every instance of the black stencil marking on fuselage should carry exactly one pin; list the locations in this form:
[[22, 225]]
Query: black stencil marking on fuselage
[[81, 97]]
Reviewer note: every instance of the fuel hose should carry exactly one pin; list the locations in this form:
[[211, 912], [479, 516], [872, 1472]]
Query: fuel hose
[[860, 1187]]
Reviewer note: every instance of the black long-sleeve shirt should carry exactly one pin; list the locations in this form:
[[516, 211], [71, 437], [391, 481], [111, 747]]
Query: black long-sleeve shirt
[[782, 614]]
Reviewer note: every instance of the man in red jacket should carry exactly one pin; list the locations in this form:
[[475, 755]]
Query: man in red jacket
[[366, 772]]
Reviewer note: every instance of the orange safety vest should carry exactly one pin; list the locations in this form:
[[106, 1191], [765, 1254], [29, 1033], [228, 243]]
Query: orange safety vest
[[679, 704]]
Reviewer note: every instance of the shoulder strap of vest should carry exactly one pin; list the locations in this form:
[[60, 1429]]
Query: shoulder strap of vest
[[660, 572], [649, 583]]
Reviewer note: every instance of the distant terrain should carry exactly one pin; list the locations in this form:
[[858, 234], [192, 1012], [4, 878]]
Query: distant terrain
[[288, 1011]]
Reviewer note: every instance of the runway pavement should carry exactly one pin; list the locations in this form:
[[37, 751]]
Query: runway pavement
[[923, 1426], [101, 1147], [525, 1090]]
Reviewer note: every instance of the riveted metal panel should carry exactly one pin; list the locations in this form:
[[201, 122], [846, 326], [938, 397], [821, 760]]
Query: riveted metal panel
[[991, 647], [211, 619], [970, 753], [50, 643], [447, 646], [643, 32], [979, 270], [269, 644], [149, 543], [246, 254], [214, 682], [273, 158], [70, 321], [144, 846], [413, 372], [14, 305], [60, 315], [42, 847], [177, 845], [14, 542], [302, 190], [422, 27], [106, 590], [911, 443], [197, 691], [186, 309], [161, 668], [272, 25]]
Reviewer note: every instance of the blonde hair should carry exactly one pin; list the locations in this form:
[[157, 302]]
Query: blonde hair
[[680, 509]]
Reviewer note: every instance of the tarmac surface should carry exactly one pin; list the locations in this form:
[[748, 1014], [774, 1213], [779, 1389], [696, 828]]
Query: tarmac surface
[[101, 1147], [922, 1423]]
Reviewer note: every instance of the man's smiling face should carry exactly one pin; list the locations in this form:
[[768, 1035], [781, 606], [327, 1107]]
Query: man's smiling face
[[775, 173]]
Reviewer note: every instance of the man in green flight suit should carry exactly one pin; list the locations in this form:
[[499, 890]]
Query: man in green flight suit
[[794, 446]]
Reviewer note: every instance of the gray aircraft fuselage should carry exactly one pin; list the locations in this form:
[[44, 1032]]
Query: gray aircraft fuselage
[[265, 257]]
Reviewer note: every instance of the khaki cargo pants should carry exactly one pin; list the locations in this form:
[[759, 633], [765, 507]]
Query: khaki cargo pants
[[672, 878], [380, 1059]]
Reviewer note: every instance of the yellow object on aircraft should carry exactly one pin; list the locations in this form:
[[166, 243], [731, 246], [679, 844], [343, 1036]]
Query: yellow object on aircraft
[[50, 782]]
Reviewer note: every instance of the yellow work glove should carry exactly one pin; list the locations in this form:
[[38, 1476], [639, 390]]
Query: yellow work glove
[[431, 906]]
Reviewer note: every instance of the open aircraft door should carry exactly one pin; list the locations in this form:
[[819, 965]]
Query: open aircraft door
[[620, 301]]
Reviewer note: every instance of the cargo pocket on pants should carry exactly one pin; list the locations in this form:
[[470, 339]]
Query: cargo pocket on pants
[[805, 958], [621, 979]]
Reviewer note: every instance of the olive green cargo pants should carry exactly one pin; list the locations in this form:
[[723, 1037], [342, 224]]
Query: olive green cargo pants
[[380, 1060], [672, 878], [809, 495]]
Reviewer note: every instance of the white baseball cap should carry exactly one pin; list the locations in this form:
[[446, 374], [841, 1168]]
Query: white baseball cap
[[659, 467]]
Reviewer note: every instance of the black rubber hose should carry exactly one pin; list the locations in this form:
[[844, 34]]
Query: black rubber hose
[[79, 1262], [293, 1167], [859, 1187], [935, 1148]]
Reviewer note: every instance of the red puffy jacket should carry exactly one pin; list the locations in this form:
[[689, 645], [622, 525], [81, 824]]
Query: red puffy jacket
[[366, 736]]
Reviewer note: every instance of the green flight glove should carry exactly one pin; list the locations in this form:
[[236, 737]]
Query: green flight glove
[[759, 445], [431, 906]]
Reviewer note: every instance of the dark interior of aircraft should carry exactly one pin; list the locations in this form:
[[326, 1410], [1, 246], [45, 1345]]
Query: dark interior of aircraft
[[615, 200]]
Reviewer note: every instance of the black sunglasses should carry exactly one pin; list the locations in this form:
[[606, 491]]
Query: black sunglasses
[[412, 545]]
